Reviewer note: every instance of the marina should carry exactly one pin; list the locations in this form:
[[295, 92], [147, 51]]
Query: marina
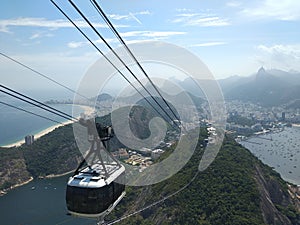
[[280, 150]]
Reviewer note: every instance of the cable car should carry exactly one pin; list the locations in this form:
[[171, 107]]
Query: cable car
[[90, 194], [94, 190]]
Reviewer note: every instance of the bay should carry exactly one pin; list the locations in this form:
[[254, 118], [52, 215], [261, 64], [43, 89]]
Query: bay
[[41, 201], [279, 150]]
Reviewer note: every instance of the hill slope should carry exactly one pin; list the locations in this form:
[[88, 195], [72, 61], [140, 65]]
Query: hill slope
[[54, 153], [236, 189]]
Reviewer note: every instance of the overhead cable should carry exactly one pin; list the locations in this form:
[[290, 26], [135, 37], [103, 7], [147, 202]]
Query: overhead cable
[[43, 75], [110, 62], [24, 110], [113, 29], [49, 109], [43, 104], [118, 57]]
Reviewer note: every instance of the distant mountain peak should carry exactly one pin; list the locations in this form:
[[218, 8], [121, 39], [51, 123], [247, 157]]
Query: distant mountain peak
[[261, 73], [261, 70]]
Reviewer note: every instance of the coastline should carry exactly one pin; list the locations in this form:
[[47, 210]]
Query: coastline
[[38, 135], [87, 110], [5, 191]]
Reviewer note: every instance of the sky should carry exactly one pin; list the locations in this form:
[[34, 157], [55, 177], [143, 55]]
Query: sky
[[231, 37]]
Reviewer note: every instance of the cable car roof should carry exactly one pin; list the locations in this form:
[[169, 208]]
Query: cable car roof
[[93, 177]]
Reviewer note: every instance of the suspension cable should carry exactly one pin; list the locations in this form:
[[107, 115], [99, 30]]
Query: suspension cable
[[51, 108], [24, 110], [49, 78], [43, 75], [118, 57], [110, 62], [39, 106], [113, 29]]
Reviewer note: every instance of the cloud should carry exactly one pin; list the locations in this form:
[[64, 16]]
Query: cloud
[[129, 16], [42, 22], [285, 57], [288, 10], [135, 18], [134, 36], [208, 44], [146, 12], [233, 4], [200, 19], [40, 35], [77, 44], [183, 10], [208, 22]]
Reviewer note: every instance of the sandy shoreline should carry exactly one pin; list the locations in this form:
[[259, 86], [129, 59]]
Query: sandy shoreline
[[4, 191], [38, 135], [87, 110]]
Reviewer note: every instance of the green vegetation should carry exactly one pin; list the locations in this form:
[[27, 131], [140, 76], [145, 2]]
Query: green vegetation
[[240, 120], [12, 168], [54, 153], [226, 193]]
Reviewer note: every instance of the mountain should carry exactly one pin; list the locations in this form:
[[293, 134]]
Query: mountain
[[180, 97], [266, 87], [191, 85], [229, 83], [104, 97]]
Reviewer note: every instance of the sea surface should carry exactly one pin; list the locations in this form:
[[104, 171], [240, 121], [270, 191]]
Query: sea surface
[[279, 150], [16, 124], [40, 202]]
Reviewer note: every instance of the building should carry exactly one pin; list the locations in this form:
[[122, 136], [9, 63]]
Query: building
[[283, 116], [120, 154], [145, 151], [29, 139], [123, 154], [155, 154]]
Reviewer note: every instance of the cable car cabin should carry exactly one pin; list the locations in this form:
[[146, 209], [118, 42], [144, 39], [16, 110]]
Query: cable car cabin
[[90, 194]]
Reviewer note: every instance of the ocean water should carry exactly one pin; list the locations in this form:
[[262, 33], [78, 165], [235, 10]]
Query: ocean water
[[16, 124], [280, 151], [43, 205]]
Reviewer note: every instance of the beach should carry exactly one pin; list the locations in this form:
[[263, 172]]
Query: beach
[[87, 110]]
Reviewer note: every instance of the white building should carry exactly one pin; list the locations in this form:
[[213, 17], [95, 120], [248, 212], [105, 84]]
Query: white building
[[155, 154], [29, 139]]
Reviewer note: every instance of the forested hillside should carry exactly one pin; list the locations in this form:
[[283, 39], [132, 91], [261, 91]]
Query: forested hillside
[[54, 153], [229, 192]]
